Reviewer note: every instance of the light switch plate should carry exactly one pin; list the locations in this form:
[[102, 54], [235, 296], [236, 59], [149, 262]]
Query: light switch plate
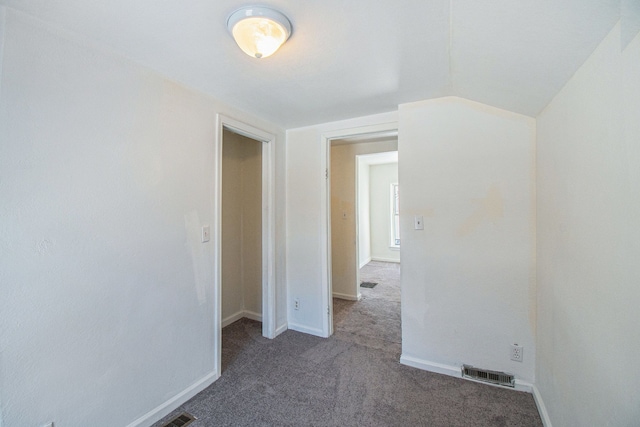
[[418, 222], [206, 233]]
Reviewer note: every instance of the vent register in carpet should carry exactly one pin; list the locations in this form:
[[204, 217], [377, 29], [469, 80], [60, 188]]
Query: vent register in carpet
[[368, 285]]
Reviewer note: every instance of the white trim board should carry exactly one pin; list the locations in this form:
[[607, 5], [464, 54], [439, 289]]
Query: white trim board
[[542, 409], [375, 258], [168, 406], [280, 329], [304, 329], [425, 365], [367, 261], [347, 297], [239, 315]]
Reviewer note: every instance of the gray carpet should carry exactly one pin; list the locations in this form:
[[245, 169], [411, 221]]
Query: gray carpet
[[351, 379]]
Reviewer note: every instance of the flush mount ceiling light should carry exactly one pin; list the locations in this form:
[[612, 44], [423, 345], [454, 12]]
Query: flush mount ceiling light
[[259, 31]]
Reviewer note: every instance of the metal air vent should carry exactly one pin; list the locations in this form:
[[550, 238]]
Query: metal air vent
[[493, 377], [182, 420]]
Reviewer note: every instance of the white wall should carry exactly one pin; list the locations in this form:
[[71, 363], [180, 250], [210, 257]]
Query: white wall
[[381, 177], [306, 231], [106, 176], [241, 263], [2, 31], [588, 234], [468, 278], [364, 218], [344, 265]]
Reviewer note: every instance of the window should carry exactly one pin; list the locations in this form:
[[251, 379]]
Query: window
[[395, 216]]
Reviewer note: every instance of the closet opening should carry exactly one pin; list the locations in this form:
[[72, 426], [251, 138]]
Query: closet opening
[[243, 231]]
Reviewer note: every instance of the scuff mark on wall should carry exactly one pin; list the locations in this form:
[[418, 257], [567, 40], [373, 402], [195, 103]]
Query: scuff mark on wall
[[489, 208]]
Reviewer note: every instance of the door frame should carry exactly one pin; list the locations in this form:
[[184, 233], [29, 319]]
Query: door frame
[[325, 212], [268, 226]]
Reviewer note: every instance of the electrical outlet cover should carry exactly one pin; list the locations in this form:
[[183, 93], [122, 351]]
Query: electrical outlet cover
[[517, 353]]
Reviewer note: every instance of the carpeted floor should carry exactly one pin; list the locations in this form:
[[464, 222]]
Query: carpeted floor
[[350, 379]]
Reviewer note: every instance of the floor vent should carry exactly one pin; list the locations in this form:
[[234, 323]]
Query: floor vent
[[181, 420], [493, 377]]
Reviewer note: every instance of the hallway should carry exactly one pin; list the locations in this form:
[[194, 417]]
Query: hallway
[[373, 321]]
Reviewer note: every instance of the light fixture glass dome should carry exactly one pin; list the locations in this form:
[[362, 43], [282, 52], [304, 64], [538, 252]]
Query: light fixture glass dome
[[259, 31]]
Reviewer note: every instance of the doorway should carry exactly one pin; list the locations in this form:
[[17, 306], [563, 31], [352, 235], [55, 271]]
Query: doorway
[[341, 258], [241, 233], [244, 260]]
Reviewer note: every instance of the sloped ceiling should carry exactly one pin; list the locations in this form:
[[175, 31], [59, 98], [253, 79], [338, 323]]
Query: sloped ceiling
[[351, 58]]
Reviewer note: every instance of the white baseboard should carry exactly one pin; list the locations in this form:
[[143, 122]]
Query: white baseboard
[[397, 261], [239, 315], [165, 408], [523, 386], [233, 318], [345, 296], [367, 261], [306, 330], [542, 409], [252, 315], [438, 368], [280, 329]]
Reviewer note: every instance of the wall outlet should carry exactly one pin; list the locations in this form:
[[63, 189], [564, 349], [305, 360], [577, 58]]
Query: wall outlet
[[296, 304], [517, 352]]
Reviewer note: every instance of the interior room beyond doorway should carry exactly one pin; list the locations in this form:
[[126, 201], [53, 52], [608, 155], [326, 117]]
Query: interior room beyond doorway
[[354, 220], [241, 263]]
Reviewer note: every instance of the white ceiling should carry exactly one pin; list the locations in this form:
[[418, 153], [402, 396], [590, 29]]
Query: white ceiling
[[352, 58]]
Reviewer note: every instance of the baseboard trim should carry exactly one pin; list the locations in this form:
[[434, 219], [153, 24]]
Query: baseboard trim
[[306, 330], [233, 318], [397, 261], [280, 329], [165, 408], [438, 368], [367, 261], [345, 296], [252, 315], [523, 386], [542, 409], [239, 315]]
